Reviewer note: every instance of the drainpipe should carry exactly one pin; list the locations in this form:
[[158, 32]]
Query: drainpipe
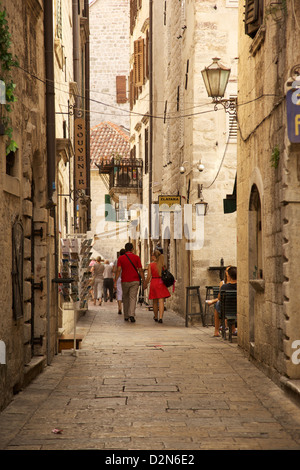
[[76, 45], [50, 98], [151, 113], [87, 115]]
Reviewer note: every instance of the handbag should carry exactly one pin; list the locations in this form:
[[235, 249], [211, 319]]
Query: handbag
[[167, 278], [135, 269]]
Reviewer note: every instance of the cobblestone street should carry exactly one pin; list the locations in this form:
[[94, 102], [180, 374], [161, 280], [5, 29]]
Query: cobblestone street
[[150, 386]]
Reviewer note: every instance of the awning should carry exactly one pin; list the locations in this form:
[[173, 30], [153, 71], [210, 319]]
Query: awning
[[229, 204]]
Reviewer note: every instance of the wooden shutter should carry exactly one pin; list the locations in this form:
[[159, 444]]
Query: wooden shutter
[[121, 89], [139, 62], [232, 124], [131, 89], [253, 16], [133, 14]]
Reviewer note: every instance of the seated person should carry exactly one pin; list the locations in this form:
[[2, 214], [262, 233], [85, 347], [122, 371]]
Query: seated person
[[230, 284]]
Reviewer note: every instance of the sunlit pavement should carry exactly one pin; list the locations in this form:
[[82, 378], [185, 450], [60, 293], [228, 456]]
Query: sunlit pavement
[[150, 386]]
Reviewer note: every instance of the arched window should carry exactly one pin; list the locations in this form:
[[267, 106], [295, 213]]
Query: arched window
[[255, 236]]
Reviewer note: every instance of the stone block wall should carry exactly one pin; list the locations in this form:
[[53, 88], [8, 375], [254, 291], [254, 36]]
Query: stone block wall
[[194, 33], [268, 312], [23, 196], [110, 57]]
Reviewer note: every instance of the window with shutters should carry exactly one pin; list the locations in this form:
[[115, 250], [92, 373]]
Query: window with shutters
[[254, 13], [59, 19], [138, 66], [232, 124], [121, 89]]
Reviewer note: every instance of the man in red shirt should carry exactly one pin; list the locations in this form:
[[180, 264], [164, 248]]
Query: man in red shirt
[[131, 267]]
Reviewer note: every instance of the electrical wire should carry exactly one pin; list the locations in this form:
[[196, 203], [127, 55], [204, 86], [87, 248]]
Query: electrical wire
[[165, 118], [223, 158], [133, 113]]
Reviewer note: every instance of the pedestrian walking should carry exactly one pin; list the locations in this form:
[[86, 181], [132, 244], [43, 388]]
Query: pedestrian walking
[[158, 292], [97, 272], [132, 272], [119, 283], [108, 281]]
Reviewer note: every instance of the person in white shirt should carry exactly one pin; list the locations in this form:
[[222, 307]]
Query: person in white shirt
[[108, 281]]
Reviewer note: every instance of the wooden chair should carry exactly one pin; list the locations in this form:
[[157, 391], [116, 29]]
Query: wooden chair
[[228, 302]]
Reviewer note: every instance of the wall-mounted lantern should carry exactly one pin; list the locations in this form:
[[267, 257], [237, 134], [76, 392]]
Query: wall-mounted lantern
[[201, 205]]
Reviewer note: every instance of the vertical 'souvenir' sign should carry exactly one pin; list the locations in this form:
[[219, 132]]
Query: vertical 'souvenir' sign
[[80, 157]]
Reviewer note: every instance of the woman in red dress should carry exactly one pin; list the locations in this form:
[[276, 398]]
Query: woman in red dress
[[158, 291]]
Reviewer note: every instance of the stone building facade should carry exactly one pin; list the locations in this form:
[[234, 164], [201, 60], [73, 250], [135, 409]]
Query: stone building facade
[[107, 139], [182, 38], [268, 187], [71, 78], [27, 228], [31, 177], [109, 49], [110, 120]]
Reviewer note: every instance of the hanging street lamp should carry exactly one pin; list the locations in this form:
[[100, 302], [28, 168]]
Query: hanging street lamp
[[215, 78]]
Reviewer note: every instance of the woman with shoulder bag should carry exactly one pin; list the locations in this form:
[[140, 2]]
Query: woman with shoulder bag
[[158, 291]]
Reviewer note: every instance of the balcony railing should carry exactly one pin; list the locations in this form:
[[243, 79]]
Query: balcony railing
[[123, 172]]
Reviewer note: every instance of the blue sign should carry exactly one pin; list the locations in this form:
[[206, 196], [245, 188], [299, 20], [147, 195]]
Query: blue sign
[[293, 114]]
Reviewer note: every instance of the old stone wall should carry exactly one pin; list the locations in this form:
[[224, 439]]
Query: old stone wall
[[109, 52], [268, 198], [194, 33], [23, 194]]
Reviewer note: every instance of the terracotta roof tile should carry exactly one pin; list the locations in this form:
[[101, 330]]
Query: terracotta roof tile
[[108, 139]]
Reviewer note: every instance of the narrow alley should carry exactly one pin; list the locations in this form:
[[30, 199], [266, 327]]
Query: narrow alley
[[149, 386]]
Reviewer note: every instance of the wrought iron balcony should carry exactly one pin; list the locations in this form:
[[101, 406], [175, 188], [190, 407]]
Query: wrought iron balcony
[[123, 172]]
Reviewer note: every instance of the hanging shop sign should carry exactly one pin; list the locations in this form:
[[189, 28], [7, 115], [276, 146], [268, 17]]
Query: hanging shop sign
[[293, 114], [169, 203], [80, 154]]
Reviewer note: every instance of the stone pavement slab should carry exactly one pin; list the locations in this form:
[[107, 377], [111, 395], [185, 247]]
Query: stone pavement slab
[[149, 386]]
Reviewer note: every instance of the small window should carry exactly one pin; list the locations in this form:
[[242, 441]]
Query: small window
[[254, 12], [255, 235], [10, 163], [139, 62], [59, 19]]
